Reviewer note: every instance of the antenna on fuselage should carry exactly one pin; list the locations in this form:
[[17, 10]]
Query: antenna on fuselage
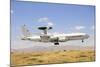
[[45, 29]]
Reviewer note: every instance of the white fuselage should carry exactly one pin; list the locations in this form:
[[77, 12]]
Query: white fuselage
[[57, 37]]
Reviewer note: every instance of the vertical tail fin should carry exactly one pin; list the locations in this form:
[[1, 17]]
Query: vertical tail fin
[[25, 31]]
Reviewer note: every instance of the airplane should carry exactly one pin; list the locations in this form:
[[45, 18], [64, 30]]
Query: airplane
[[53, 38]]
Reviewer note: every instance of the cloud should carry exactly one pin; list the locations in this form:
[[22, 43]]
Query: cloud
[[45, 20], [79, 27], [50, 24]]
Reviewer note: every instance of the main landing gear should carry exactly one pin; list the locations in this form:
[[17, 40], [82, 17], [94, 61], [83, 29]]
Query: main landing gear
[[56, 43]]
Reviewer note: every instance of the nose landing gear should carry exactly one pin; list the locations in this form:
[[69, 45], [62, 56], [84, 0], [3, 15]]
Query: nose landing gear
[[82, 41]]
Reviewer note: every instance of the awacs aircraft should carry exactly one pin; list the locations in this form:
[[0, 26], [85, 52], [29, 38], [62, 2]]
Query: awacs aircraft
[[53, 38]]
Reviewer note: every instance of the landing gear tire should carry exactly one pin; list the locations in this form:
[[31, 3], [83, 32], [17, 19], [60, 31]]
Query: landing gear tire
[[56, 43]]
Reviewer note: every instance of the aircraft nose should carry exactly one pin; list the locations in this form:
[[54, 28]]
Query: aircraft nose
[[86, 36]]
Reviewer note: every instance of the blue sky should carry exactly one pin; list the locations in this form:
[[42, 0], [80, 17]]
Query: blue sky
[[65, 18]]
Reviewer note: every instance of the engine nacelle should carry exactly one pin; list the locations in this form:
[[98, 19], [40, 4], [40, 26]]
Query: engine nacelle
[[61, 38], [58, 39]]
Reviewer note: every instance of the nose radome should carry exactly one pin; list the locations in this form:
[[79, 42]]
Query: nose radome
[[87, 36]]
